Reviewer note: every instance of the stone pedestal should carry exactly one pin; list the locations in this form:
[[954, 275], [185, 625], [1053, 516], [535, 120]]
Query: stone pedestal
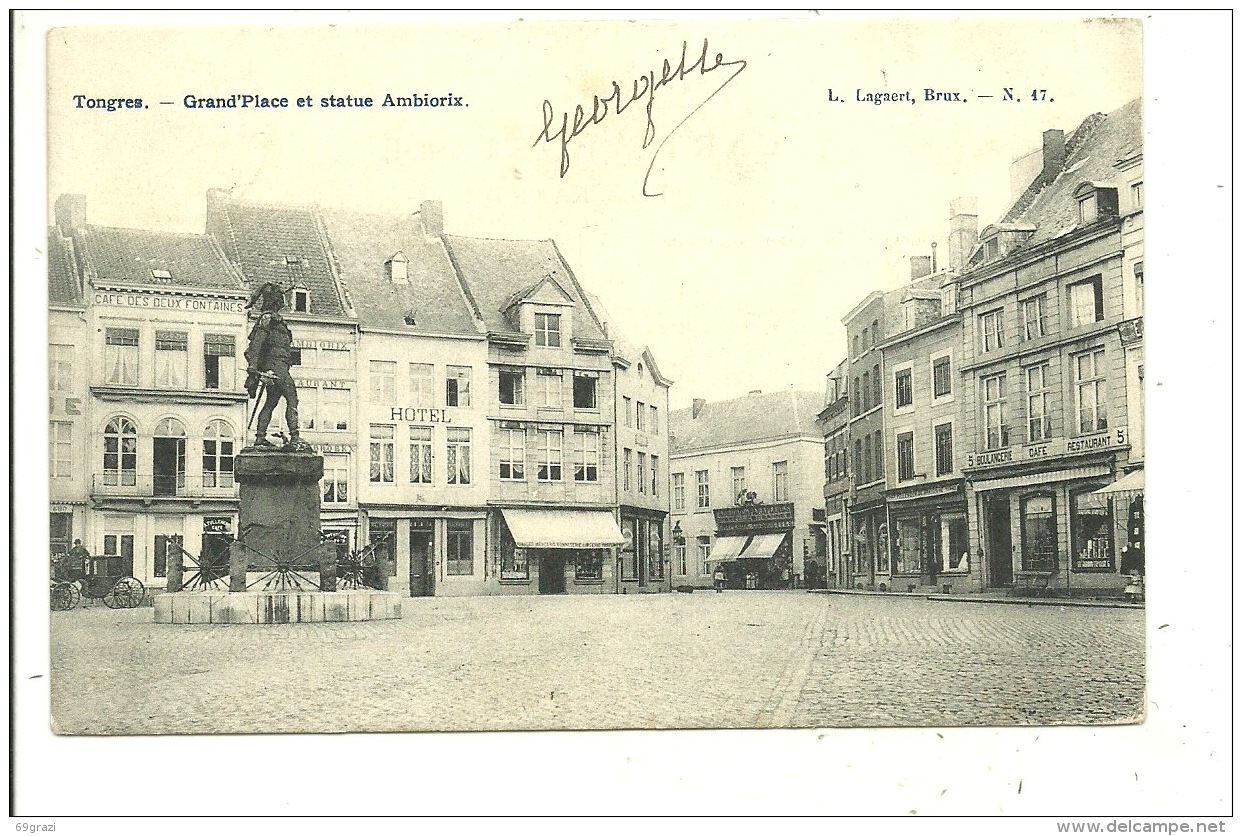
[[279, 515]]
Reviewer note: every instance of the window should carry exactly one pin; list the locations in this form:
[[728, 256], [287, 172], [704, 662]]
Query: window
[[1038, 416], [1138, 287], [382, 453], [875, 332], [550, 455], [334, 358], [219, 363], [908, 538], [512, 387], [335, 479], [168, 458], [457, 456], [780, 481], [992, 330], [703, 497], [60, 449], [218, 455], [549, 389], [420, 455], [512, 455], [60, 368], [171, 359], [116, 545], [586, 457], [639, 416], [655, 475], [642, 472], [588, 565], [942, 377], [584, 391], [1086, 301], [905, 456], [866, 391], [1034, 316], [513, 563], [383, 381], [943, 435], [629, 552], [548, 329], [655, 420], [460, 547], [954, 545], [856, 345], [858, 458], [627, 464], [866, 470], [679, 491], [121, 356], [1039, 533], [991, 248], [679, 555], [1091, 527], [120, 460], [301, 300], [866, 337], [629, 411], [705, 551], [422, 391], [996, 425], [856, 402], [877, 386], [904, 384], [334, 409], [739, 483], [1088, 209], [457, 386], [1092, 391], [383, 540], [1136, 195]]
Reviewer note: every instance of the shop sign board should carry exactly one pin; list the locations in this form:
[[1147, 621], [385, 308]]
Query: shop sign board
[[1096, 442]]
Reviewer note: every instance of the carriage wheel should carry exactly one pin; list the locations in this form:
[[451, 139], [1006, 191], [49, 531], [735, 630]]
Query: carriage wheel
[[126, 593], [65, 596]]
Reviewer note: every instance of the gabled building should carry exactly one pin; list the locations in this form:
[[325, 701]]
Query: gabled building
[[1051, 305], [69, 432], [746, 490]]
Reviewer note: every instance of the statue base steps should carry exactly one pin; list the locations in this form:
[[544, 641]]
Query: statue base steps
[[294, 607]]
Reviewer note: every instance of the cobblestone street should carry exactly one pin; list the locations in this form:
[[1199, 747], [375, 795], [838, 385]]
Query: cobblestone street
[[742, 659]]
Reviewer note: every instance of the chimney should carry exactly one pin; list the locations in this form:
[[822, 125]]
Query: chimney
[[963, 231], [920, 266], [431, 213], [1054, 154], [217, 200], [697, 407], [70, 213]]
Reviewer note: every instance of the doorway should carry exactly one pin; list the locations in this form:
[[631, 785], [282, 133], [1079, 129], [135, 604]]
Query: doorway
[[422, 560], [167, 466], [999, 541], [551, 573]]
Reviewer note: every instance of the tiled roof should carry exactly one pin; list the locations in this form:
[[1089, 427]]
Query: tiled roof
[[62, 277], [1091, 152], [495, 270], [281, 244], [753, 418], [129, 255], [362, 244]]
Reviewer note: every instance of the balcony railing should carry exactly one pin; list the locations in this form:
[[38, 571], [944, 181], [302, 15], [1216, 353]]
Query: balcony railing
[[127, 483]]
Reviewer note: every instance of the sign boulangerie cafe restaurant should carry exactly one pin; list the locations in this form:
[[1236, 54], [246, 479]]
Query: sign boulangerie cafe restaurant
[[754, 545]]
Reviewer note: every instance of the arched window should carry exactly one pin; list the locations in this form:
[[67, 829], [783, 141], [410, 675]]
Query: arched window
[[120, 462], [168, 458], [218, 455]]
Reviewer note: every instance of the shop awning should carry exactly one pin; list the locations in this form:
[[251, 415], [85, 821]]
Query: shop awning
[[1086, 472], [1130, 482], [764, 545], [727, 548], [546, 529]]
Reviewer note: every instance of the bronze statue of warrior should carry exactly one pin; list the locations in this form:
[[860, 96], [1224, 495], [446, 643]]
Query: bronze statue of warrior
[[268, 357]]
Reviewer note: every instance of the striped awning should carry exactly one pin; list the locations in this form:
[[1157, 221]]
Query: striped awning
[[727, 548], [562, 529], [764, 545], [1085, 472]]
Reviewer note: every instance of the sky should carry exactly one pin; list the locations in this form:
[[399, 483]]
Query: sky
[[777, 209]]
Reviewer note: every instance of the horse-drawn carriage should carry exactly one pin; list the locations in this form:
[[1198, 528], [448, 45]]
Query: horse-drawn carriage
[[98, 578]]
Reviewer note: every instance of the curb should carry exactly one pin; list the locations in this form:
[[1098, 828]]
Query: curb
[[990, 599]]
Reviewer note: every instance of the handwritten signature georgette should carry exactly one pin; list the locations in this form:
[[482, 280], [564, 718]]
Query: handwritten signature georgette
[[643, 87]]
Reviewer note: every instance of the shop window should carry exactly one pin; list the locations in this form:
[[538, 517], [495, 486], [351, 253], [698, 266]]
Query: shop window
[[655, 549], [904, 385], [942, 377], [457, 386], [383, 381], [171, 359], [513, 563], [585, 392], [1091, 531], [121, 356], [218, 445], [513, 455], [61, 532], [1092, 391], [219, 362], [992, 330], [383, 542], [1035, 316], [881, 548], [702, 490], [588, 565], [512, 387], [586, 457], [679, 491], [60, 449], [995, 419], [335, 479], [907, 546], [629, 551], [422, 393], [780, 481], [1086, 302], [548, 330], [550, 389], [954, 543], [60, 368], [459, 547], [943, 434], [383, 453], [420, 455], [550, 455], [457, 456], [1039, 533]]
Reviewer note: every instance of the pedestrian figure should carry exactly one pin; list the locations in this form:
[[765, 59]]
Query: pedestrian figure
[[268, 357], [79, 561], [718, 578]]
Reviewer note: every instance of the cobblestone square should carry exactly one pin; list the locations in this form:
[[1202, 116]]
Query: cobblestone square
[[737, 660]]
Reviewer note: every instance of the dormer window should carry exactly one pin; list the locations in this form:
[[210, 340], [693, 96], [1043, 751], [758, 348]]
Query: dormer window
[[548, 330], [991, 248], [1095, 201], [292, 260], [1088, 209], [161, 276], [948, 300], [398, 268], [301, 300]]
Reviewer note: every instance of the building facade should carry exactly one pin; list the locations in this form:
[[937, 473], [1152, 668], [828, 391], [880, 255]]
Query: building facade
[[834, 424], [746, 490]]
